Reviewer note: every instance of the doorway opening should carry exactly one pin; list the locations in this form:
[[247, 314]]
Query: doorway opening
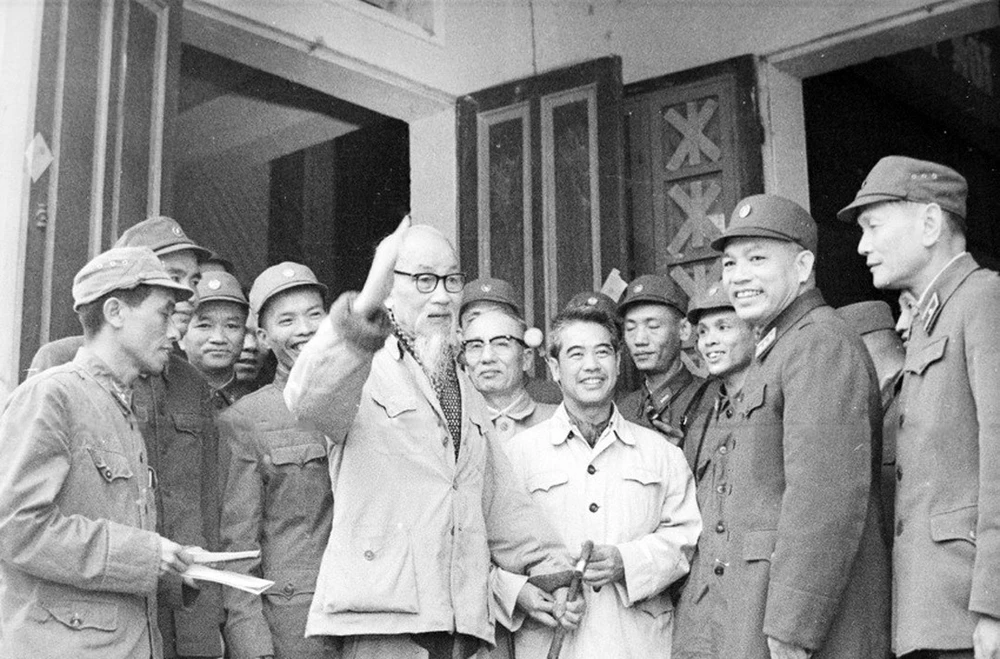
[[941, 103], [268, 170]]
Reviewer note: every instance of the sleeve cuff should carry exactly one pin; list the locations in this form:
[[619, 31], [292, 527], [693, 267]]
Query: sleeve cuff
[[506, 586]]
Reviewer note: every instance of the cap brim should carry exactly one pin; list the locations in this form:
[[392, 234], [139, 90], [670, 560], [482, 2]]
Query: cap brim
[[849, 213], [286, 286], [695, 315], [200, 252], [169, 284], [224, 298], [719, 243], [490, 298], [647, 299]]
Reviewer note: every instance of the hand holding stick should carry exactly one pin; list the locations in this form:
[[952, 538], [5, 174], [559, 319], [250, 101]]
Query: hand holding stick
[[574, 592]]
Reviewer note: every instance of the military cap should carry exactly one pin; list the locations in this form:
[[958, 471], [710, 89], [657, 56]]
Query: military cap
[[162, 235], [898, 178], [595, 299], [656, 289], [769, 216], [217, 259], [488, 289], [122, 268], [715, 298], [220, 287], [869, 316], [280, 278]]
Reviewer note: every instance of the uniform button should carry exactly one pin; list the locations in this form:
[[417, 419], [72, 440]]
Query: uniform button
[[720, 527], [594, 507], [75, 621], [899, 527], [369, 555], [591, 469], [729, 414], [899, 473], [721, 489], [719, 570], [504, 426], [901, 419], [454, 485], [289, 588], [107, 473], [723, 450], [972, 535]]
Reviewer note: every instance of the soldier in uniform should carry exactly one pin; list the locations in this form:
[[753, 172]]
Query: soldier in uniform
[[808, 570], [873, 321], [278, 497], [176, 419], [946, 554], [669, 399], [726, 344], [214, 337], [79, 557]]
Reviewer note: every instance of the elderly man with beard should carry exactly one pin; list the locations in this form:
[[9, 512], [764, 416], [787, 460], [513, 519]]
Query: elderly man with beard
[[424, 496], [177, 421]]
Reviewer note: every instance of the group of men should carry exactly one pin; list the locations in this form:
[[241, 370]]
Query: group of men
[[415, 490]]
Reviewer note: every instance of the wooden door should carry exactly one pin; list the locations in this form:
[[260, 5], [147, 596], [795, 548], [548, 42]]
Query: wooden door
[[540, 183], [106, 99], [694, 150]]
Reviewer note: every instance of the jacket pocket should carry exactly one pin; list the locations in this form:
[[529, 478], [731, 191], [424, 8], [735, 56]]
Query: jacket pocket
[[759, 545], [959, 524], [110, 465], [754, 399], [918, 362], [546, 480], [79, 614], [372, 574], [642, 476], [284, 456], [290, 582], [193, 424]]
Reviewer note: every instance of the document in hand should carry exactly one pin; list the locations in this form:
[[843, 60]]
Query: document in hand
[[245, 582]]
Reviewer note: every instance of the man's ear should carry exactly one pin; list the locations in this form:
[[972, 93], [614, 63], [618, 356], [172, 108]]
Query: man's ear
[[553, 367], [804, 262], [931, 224], [114, 310], [527, 359], [684, 329], [262, 338]]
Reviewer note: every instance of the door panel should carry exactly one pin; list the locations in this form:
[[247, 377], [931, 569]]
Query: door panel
[[107, 89], [540, 196], [694, 142]]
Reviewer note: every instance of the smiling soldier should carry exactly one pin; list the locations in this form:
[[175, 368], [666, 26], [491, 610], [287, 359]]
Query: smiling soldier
[[808, 568]]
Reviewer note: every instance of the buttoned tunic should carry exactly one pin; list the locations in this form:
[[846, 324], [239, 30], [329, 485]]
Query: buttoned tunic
[[414, 528], [808, 565], [632, 490], [677, 403], [176, 419], [79, 559], [278, 500], [946, 555]]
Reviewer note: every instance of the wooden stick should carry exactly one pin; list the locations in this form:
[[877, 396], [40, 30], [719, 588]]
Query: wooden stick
[[574, 591]]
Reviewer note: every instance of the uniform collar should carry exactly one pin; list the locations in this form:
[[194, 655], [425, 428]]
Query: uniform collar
[[785, 320], [944, 284], [563, 428], [94, 366], [663, 394], [523, 407]]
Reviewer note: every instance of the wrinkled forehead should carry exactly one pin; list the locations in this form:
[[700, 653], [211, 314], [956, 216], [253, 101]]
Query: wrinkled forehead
[[426, 250], [490, 324]]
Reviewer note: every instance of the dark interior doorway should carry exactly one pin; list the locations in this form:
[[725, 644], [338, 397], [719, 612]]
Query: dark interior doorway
[[939, 103], [271, 171]]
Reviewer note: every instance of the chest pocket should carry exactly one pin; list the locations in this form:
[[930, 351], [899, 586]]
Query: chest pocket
[[301, 477], [920, 361], [110, 465], [754, 400], [191, 424], [546, 480], [407, 427]]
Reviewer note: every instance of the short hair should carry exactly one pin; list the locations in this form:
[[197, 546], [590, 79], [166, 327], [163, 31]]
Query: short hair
[[584, 314], [955, 221], [91, 315]]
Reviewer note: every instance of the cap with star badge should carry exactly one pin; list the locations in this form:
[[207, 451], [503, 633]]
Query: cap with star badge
[[122, 268], [220, 287], [769, 216], [596, 299], [869, 316], [898, 178], [280, 278], [713, 299], [162, 235], [656, 289], [488, 289]]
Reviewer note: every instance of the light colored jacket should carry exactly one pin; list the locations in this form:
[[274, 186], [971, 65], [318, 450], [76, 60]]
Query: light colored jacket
[[632, 490], [413, 528], [79, 559], [946, 555]]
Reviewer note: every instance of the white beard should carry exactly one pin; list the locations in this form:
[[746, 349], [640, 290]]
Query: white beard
[[436, 352]]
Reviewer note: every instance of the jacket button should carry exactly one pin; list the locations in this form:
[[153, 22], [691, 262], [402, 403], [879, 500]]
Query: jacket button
[[721, 489], [75, 621], [107, 473], [729, 413], [723, 449], [899, 527], [594, 507], [719, 570], [720, 527], [289, 588], [454, 485], [369, 555], [899, 473], [591, 469], [901, 419]]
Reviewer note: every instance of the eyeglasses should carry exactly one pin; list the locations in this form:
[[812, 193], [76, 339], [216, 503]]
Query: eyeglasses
[[426, 282], [501, 344]]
